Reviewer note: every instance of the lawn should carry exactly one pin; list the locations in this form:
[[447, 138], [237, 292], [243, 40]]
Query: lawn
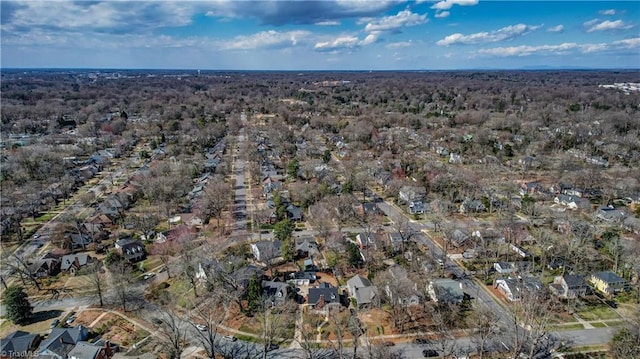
[[597, 313]]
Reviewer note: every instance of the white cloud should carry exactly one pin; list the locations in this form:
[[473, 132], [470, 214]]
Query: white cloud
[[396, 22], [401, 44], [442, 14], [341, 42], [504, 33], [632, 43], [266, 39], [559, 28], [370, 39], [526, 50], [447, 4], [606, 25], [607, 12], [328, 23]]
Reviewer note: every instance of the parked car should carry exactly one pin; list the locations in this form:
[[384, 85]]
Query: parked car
[[430, 353], [388, 344], [230, 338], [71, 319], [148, 275], [421, 341], [272, 346], [54, 323], [201, 327]]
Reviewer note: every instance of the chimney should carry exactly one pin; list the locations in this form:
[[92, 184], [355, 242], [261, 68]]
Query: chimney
[[321, 302]]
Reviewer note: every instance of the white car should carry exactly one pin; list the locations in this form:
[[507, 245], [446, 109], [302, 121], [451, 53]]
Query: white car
[[201, 327]]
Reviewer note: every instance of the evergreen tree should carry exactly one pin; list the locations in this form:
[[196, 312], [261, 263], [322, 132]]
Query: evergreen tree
[[254, 293], [17, 305]]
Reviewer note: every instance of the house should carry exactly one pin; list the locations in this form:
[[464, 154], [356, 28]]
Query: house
[[459, 238], [131, 249], [396, 241], [365, 240], [608, 282], [300, 278], [569, 286], [530, 188], [416, 207], [44, 267], [472, 206], [86, 350], [265, 251], [405, 291], [514, 288], [306, 247], [569, 201], [294, 213], [509, 287], [370, 209], [610, 214], [446, 291], [408, 194], [364, 293], [455, 158], [19, 344], [323, 296], [73, 262], [61, 341], [275, 292], [632, 224], [504, 267]]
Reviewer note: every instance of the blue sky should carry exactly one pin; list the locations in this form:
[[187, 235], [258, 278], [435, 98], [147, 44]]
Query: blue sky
[[321, 35]]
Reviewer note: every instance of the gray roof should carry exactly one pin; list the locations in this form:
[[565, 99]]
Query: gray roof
[[447, 290], [362, 289], [574, 280], [18, 342], [330, 294], [85, 350], [69, 259], [609, 277], [62, 340]]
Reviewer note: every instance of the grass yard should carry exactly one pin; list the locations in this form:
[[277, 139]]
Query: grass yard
[[570, 326], [590, 313]]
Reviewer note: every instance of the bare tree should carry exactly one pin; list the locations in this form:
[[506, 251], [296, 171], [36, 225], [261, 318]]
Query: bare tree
[[212, 314], [97, 280], [217, 197], [485, 327], [172, 333], [120, 274]]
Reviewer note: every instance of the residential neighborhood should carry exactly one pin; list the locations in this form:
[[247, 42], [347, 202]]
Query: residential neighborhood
[[325, 219]]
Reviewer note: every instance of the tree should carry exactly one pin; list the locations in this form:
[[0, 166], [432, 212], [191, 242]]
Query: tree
[[212, 314], [293, 167], [254, 293], [626, 342], [97, 280], [18, 308], [282, 232], [355, 259], [217, 197], [172, 333]]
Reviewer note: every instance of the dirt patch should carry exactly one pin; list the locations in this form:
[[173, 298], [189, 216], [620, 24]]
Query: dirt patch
[[87, 317], [118, 330], [377, 321]]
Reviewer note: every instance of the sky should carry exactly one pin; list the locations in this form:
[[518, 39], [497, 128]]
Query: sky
[[320, 35]]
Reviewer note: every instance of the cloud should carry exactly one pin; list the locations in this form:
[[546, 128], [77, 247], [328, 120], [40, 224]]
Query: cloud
[[398, 45], [278, 13], [526, 50], [328, 23], [394, 23], [447, 4], [267, 39], [606, 25], [558, 28], [340, 42], [607, 12], [505, 33], [370, 39], [442, 14], [95, 16]]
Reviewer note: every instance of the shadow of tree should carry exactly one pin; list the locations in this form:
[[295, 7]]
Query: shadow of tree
[[44, 315]]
